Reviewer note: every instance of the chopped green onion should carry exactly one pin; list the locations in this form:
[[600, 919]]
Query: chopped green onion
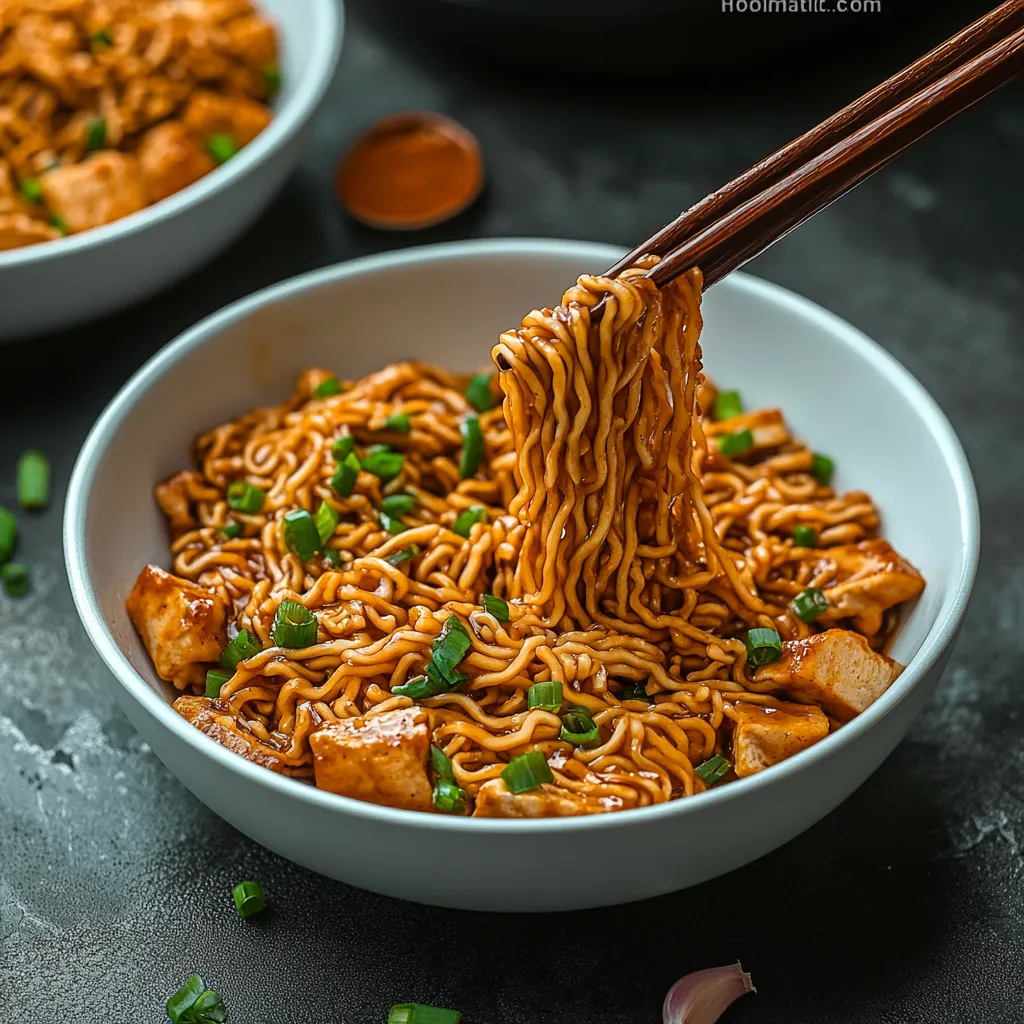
[[31, 189], [243, 497], [392, 523], [417, 1013], [441, 763], [728, 404], [301, 535], [821, 468], [527, 771], [496, 607], [400, 422], [271, 76], [383, 462], [221, 147], [805, 536], [763, 646], [194, 1003], [398, 504], [635, 691], [102, 38], [479, 393], [295, 626], [242, 648], [450, 797], [95, 134], [15, 578], [215, 679], [344, 480], [326, 522], [230, 530], [465, 519], [450, 647], [412, 551], [446, 684], [578, 728], [547, 696], [8, 534], [713, 770], [249, 898], [58, 222], [33, 480], [810, 604], [418, 688], [735, 444], [343, 447], [333, 557], [472, 446], [327, 387]]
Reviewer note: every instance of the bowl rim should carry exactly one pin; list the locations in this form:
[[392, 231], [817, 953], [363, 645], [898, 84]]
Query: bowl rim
[[939, 635], [314, 77]]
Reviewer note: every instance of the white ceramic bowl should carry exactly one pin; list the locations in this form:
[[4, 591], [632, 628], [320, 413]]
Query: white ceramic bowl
[[447, 303], [66, 282]]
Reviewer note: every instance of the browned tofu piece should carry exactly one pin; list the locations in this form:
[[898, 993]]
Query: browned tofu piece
[[869, 578], [182, 625], [495, 801], [209, 113], [765, 736], [99, 190], [18, 229], [836, 669], [252, 40], [171, 159], [211, 717], [381, 759], [767, 426]]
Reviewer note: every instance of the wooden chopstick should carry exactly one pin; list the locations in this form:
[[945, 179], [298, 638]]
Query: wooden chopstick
[[749, 228], [946, 57]]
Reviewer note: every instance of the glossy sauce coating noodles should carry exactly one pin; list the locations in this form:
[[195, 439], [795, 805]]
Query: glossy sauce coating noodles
[[633, 556]]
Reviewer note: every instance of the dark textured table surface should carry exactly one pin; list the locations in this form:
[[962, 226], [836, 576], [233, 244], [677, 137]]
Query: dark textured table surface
[[905, 904]]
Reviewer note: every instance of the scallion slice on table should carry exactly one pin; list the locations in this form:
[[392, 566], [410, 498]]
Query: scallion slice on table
[[243, 497], [809, 604], [418, 1013], [805, 536], [467, 517], [327, 520], [728, 405], [400, 422], [243, 647], [404, 555], [713, 770], [579, 728], [194, 1003], [33, 480], [450, 647], [15, 577], [8, 534], [343, 447], [450, 797], [547, 696], [418, 688], [763, 647], [215, 679], [95, 134], [822, 468], [221, 147], [327, 387], [248, 898], [295, 626], [731, 445], [496, 606], [478, 392], [527, 771], [301, 535], [472, 446], [383, 462], [397, 504], [343, 482]]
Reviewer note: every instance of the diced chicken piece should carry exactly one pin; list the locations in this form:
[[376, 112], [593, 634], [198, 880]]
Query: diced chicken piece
[[767, 426], [209, 113], [868, 578], [171, 159], [381, 759], [182, 625], [836, 669], [495, 801], [18, 229], [211, 717], [765, 736], [99, 190], [252, 40]]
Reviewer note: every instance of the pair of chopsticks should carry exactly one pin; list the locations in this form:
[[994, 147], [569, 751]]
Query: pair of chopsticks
[[739, 221]]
